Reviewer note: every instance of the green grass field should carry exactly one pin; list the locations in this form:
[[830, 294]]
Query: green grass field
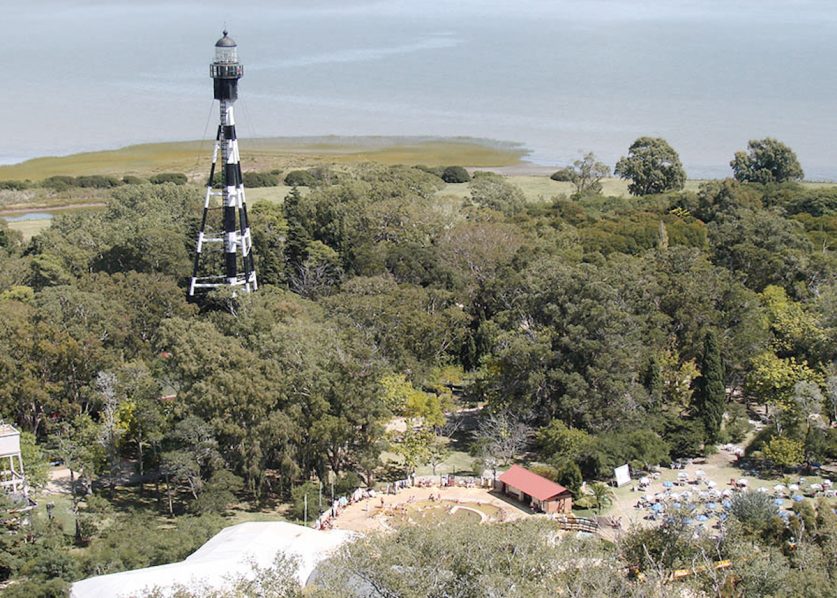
[[192, 157]]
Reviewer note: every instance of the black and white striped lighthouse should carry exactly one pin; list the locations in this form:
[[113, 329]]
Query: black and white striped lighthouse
[[230, 231]]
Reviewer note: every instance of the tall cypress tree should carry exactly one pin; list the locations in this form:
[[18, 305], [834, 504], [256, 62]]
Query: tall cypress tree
[[710, 393], [296, 245], [652, 380]]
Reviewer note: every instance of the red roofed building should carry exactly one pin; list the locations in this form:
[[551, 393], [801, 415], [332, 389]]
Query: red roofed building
[[535, 491]]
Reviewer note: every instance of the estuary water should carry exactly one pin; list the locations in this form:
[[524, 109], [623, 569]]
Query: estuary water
[[558, 76]]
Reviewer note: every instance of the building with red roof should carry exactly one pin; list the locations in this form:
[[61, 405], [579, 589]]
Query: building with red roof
[[535, 491]]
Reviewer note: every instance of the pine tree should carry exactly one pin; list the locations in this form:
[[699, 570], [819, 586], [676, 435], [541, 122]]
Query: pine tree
[[710, 393]]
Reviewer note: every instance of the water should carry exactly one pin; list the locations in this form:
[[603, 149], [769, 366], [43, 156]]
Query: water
[[558, 76], [27, 217]]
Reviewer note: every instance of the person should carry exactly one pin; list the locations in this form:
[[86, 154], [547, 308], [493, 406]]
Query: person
[[382, 502]]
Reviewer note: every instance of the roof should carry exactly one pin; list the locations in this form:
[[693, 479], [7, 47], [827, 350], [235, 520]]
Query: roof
[[230, 553], [226, 42], [531, 483]]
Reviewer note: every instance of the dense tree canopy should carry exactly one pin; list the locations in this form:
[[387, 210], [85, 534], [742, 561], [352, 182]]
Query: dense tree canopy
[[591, 332]]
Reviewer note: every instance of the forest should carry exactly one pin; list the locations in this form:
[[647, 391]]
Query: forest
[[592, 330]]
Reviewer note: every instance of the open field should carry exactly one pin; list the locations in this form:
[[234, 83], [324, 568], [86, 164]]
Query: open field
[[192, 157]]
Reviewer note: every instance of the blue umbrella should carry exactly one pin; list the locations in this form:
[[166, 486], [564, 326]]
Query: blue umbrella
[[676, 505], [702, 518], [778, 502], [723, 516], [657, 508], [688, 521], [798, 498], [711, 506], [667, 484], [727, 503]]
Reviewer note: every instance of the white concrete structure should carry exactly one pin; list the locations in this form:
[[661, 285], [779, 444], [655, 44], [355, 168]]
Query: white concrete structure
[[11, 462], [230, 553]]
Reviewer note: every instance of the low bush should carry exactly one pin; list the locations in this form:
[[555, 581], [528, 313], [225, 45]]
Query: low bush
[[178, 178], [300, 178], [455, 174]]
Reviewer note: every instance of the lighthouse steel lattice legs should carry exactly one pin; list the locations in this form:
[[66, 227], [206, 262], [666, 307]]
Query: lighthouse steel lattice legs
[[235, 234]]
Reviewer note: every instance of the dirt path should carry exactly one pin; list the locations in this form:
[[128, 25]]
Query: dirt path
[[24, 208], [59, 481]]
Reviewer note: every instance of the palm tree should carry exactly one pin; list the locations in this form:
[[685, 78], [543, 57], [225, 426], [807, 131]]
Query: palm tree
[[602, 496]]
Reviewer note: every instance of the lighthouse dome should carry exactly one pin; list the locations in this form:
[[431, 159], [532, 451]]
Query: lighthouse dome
[[226, 42]]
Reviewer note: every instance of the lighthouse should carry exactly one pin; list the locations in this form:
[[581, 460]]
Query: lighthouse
[[223, 251]]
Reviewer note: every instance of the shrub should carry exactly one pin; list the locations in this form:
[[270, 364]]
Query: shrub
[[455, 174], [298, 494], [58, 182], [260, 179], [97, 181], [434, 170], [178, 178], [545, 471], [300, 178], [130, 179], [565, 175], [13, 185]]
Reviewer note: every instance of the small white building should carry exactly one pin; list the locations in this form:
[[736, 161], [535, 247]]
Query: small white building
[[12, 480], [231, 553]]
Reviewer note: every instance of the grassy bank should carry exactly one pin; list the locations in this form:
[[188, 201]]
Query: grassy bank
[[192, 157]]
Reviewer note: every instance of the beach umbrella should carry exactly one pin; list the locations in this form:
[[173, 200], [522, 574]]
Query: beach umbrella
[[779, 488], [700, 473], [762, 490], [702, 518], [778, 502], [667, 484], [711, 484], [649, 498], [726, 492], [827, 483], [727, 504], [793, 487], [644, 481], [723, 516], [798, 498], [816, 487], [676, 505], [688, 521], [742, 482], [711, 506]]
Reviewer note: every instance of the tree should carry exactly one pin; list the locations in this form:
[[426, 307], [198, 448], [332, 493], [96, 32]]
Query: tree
[[652, 167], [499, 437], [569, 476], [495, 192], [766, 160], [585, 174], [560, 443], [602, 495], [784, 452], [710, 394]]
